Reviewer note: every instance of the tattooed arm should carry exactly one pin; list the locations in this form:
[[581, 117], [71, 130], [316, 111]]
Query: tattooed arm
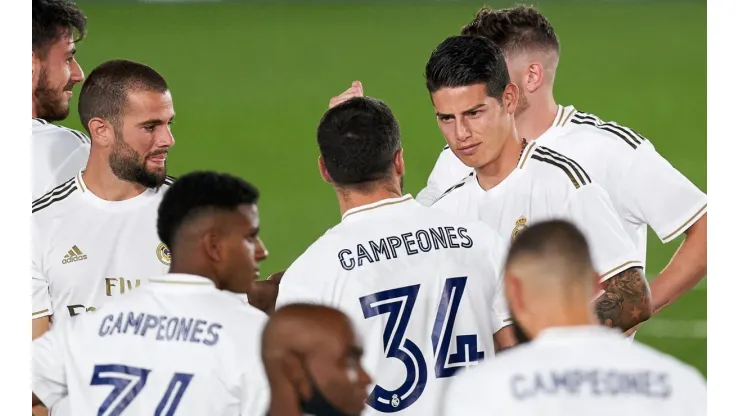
[[626, 301]]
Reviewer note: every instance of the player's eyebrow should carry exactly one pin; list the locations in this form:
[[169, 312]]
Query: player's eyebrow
[[464, 112], [156, 121]]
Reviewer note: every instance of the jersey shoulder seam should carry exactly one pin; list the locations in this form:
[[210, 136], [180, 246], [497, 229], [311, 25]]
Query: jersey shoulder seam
[[626, 134], [577, 176]]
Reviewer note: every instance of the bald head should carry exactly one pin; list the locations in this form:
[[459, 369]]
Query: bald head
[[551, 254]]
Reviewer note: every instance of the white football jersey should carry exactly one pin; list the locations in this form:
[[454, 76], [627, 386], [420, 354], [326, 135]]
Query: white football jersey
[[644, 188], [422, 287], [87, 250], [546, 185], [57, 154], [578, 371], [177, 346]]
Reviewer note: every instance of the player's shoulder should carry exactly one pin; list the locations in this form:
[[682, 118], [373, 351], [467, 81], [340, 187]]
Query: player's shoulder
[[456, 190], [588, 130], [665, 362], [549, 167], [43, 128], [58, 200]]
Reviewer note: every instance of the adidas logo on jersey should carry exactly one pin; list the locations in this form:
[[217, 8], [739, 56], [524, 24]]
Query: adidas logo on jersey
[[73, 255]]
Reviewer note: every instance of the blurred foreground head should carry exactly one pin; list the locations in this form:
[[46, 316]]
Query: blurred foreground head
[[549, 278], [312, 359]]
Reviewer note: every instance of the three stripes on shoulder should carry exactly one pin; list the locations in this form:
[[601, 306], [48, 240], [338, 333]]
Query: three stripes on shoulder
[[629, 136], [575, 172], [57, 194]]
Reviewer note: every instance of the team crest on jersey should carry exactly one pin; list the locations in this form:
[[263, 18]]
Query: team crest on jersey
[[163, 254], [521, 225]]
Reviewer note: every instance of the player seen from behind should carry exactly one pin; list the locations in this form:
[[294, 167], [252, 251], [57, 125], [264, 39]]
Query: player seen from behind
[[421, 285], [183, 344], [312, 358], [57, 153], [573, 366]]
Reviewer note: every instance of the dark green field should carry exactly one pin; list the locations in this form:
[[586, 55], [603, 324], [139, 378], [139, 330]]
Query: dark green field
[[250, 83]]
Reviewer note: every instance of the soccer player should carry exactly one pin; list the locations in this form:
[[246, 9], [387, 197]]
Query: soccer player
[[57, 153], [572, 366], [312, 358], [515, 183], [616, 157], [183, 344], [421, 285]]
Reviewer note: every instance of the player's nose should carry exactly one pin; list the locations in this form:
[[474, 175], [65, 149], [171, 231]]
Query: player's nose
[[462, 131], [77, 75], [261, 252]]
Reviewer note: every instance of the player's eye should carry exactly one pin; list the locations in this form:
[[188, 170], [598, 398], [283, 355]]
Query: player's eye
[[445, 119], [150, 128], [473, 113]]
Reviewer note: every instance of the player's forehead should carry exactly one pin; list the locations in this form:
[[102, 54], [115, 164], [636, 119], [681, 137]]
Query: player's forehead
[[451, 100], [144, 104], [63, 45], [249, 213]]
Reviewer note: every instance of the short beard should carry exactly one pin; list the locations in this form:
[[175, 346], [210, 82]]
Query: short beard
[[50, 102], [521, 105], [129, 166]]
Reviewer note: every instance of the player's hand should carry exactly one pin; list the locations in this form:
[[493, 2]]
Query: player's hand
[[354, 91], [264, 293]]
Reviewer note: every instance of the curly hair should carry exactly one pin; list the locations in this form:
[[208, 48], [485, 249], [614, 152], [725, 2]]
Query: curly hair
[[53, 19], [515, 29]]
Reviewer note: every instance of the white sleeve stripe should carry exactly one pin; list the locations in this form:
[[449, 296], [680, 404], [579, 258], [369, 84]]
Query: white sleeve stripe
[[619, 269], [685, 225]]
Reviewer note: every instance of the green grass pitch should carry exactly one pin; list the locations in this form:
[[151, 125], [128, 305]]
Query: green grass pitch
[[250, 82]]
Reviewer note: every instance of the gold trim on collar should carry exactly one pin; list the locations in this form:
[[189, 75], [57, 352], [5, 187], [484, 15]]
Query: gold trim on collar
[[384, 204]]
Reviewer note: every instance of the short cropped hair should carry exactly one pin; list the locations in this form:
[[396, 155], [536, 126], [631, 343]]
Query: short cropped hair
[[461, 61], [53, 19], [552, 239], [521, 28], [358, 140], [105, 90], [197, 193]]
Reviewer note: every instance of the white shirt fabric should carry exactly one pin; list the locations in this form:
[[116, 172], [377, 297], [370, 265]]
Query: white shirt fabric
[[176, 346], [86, 250], [644, 187], [576, 371], [422, 287], [57, 154], [546, 185]]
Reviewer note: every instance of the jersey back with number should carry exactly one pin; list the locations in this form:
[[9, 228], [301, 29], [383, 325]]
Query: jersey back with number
[[579, 371], [57, 154], [423, 290], [177, 346]]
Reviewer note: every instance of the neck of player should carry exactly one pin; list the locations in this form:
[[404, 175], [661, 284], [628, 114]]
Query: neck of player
[[563, 315], [284, 401], [538, 117], [497, 170], [103, 183], [350, 198]]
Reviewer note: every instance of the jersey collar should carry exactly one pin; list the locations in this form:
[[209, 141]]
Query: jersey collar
[[182, 279], [131, 203], [562, 117], [570, 333], [379, 204]]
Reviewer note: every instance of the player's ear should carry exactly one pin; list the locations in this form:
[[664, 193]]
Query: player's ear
[[212, 247], [296, 373], [510, 97], [535, 76], [398, 163], [324, 172], [35, 68], [101, 131]]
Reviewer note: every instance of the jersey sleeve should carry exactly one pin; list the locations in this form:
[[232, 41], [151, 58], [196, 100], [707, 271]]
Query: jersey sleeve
[[40, 296], [302, 282], [48, 374], [499, 305], [652, 191], [612, 251], [447, 171], [255, 393]]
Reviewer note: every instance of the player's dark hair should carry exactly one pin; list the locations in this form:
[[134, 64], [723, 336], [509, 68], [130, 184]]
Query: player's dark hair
[[105, 90], [554, 238], [53, 19], [515, 29], [197, 193], [461, 61], [358, 140]]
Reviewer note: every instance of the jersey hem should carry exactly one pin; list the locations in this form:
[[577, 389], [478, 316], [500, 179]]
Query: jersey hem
[[686, 225]]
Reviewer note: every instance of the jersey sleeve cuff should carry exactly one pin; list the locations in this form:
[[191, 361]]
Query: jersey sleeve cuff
[[619, 269], [41, 313], [695, 215]]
